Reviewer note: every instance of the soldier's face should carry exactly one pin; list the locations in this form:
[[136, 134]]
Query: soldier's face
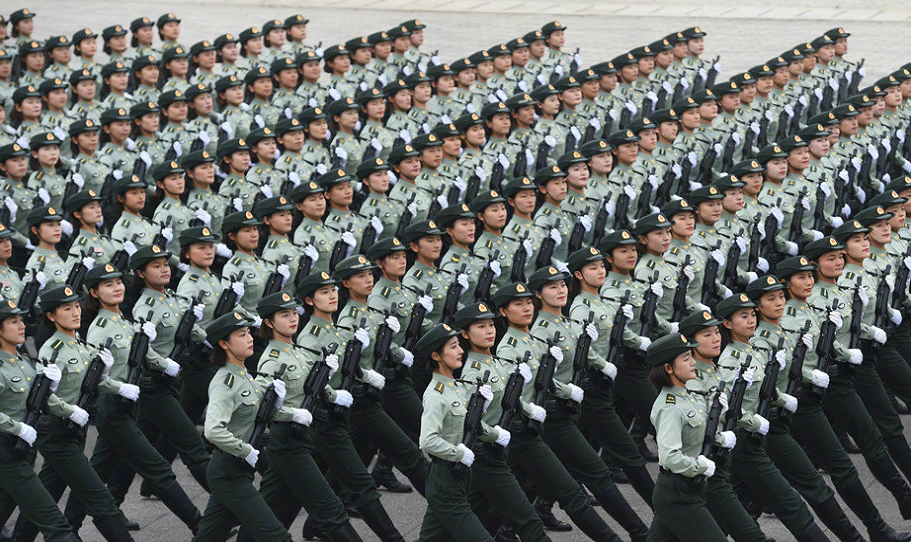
[[646, 65], [90, 214], [401, 100], [690, 119], [462, 231], [536, 49], [67, 317], [777, 169], [171, 30], [26, 26], [554, 293], [524, 202], [782, 75], [695, 46], [848, 127], [409, 167], [733, 200], [432, 157], [417, 37], [520, 56], [664, 59], [30, 107], [708, 110], [48, 232], [880, 233], [494, 216], [176, 112], [34, 62], [280, 221], [313, 206], [378, 182], [56, 99], [449, 357], [893, 97], [501, 63], [519, 311], [340, 64], [6, 68], [629, 73], [799, 159], [173, 184], [109, 291], [907, 205], [428, 248], [680, 50], [623, 259], [341, 194], [627, 152], [841, 46], [771, 304], [277, 37], [593, 273], [156, 273], [201, 254], [452, 147], [239, 343], [577, 176], [246, 238], [905, 88], [667, 131], [465, 77], [897, 222], [826, 53], [819, 146], [284, 322], [481, 335], [254, 46], [88, 47], [475, 136], [809, 63], [394, 265], [649, 140], [484, 69], [48, 155], [747, 93], [310, 70], [17, 167], [87, 142], [525, 115], [866, 116], [133, 199], [361, 56], [742, 324], [298, 32], [709, 340], [6, 249], [857, 247], [144, 35], [422, 92], [684, 224], [800, 285], [557, 39], [12, 330], [555, 189], [205, 60], [118, 81], [317, 129], [551, 105], [657, 241], [401, 44], [683, 368], [382, 50], [359, 284], [262, 88], [61, 55], [601, 163], [590, 89], [831, 264], [445, 84], [836, 133], [795, 68], [730, 102]]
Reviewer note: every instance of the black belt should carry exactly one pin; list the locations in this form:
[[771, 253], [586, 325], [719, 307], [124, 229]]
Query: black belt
[[444, 462], [695, 480]]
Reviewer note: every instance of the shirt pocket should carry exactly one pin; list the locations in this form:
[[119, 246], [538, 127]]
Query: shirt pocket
[[693, 429]]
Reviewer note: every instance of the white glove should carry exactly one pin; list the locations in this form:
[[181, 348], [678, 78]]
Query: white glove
[[332, 362], [537, 413], [741, 244], [586, 222], [266, 190], [763, 425], [239, 290], [807, 340], [630, 191], [896, 317], [13, 208], [836, 319], [864, 298], [496, 268], [675, 327], [689, 272], [592, 332], [879, 335], [525, 371], [168, 234], [561, 265], [609, 370], [443, 201], [413, 209], [751, 276], [44, 195], [555, 235], [644, 343], [41, 278], [627, 310], [148, 328], [128, 391], [467, 455], [343, 398], [761, 227], [375, 379], [557, 353], [817, 235], [462, 279], [837, 221], [762, 264], [198, 310], [238, 204], [311, 252], [27, 433], [819, 378], [204, 215], [377, 225], [280, 391], [709, 465], [66, 227], [362, 336], [826, 191], [427, 302], [348, 238], [503, 436], [222, 250], [717, 256], [657, 289], [51, 372], [723, 401], [529, 249], [173, 367], [890, 282], [107, 359], [79, 416], [790, 402], [730, 440], [301, 416], [284, 271], [393, 324], [805, 203], [781, 358], [779, 216], [576, 394], [792, 248], [184, 268], [88, 262], [857, 357], [748, 376], [252, 457], [487, 393]]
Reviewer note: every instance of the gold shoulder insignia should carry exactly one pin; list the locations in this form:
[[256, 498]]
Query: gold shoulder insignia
[[229, 380], [439, 387], [671, 399]]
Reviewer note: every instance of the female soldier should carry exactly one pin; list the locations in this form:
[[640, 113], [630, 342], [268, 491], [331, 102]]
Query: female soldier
[[277, 220], [175, 65], [678, 416], [146, 120], [459, 224], [684, 217], [14, 169], [234, 399], [229, 92], [25, 115], [174, 112], [371, 426], [313, 119], [310, 89], [720, 498], [520, 194], [17, 475], [130, 194], [598, 413], [145, 72], [259, 90], [561, 428], [345, 144], [44, 164], [119, 437], [290, 134], [44, 231], [202, 119], [373, 108], [309, 199], [10, 282], [234, 163], [292, 468], [374, 174], [262, 153], [425, 241], [200, 171], [171, 211], [65, 464], [490, 209], [85, 209], [333, 442], [442, 424], [495, 495], [809, 424], [550, 217], [116, 77], [770, 340], [241, 235], [749, 461], [83, 144]]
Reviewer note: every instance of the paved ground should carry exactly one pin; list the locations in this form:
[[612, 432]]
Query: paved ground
[[744, 33]]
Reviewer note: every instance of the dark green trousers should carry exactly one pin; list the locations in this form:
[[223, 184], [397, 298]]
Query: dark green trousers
[[797, 468], [65, 465], [531, 459], [599, 417], [20, 486], [404, 405], [753, 467], [371, 427], [496, 496], [873, 394], [894, 370], [842, 404], [726, 508], [449, 517], [811, 428], [681, 513], [293, 472], [633, 387], [234, 500], [160, 408], [337, 452], [194, 396]]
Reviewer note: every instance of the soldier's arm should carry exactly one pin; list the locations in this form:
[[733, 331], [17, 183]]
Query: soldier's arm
[[218, 414], [669, 423]]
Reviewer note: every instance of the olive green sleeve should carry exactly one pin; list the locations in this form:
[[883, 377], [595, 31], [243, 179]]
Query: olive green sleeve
[[431, 439], [218, 414], [669, 424]]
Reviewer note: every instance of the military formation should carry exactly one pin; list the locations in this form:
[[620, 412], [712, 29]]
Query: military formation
[[498, 275]]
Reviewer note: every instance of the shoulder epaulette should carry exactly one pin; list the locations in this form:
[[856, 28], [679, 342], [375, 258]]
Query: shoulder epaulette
[[102, 321], [315, 331], [670, 399], [455, 259], [193, 278], [764, 333], [236, 261], [650, 264], [439, 387], [792, 311], [150, 301], [58, 344], [476, 364], [274, 353], [229, 380], [512, 341], [418, 273], [272, 244]]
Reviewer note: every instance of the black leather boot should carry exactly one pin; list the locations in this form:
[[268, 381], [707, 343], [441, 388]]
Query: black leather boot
[[312, 531], [885, 472], [544, 509], [375, 516], [383, 477], [72, 537], [833, 517], [177, 501], [812, 534], [128, 524], [112, 529], [615, 505], [590, 522], [506, 533], [345, 533], [858, 500], [642, 483]]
